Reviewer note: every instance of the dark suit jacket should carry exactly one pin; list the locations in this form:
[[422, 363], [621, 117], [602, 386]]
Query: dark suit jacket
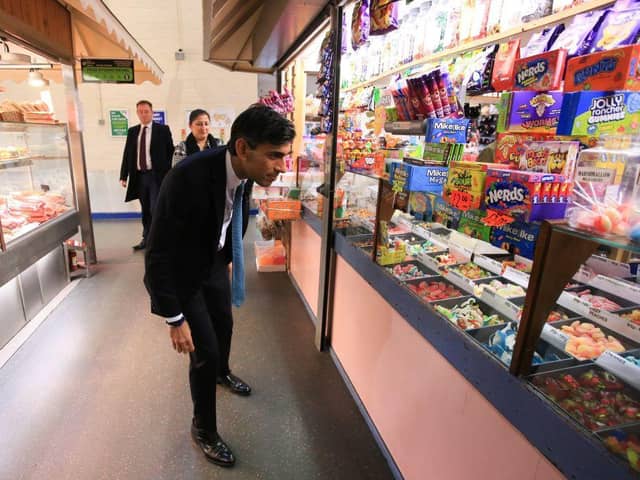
[[186, 228], [161, 149]]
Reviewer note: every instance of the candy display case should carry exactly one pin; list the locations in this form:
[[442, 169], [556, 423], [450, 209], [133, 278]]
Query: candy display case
[[35, 178]]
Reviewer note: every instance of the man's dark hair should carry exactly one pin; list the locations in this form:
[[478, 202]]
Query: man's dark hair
[[144, 102], [258, 125], [196, 113]]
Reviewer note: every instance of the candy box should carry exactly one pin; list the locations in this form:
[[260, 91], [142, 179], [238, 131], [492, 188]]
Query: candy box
[[521, 193], [616, 69], [541, 72], [600, 113], [517, 238], [447, 130], [421, 205], [445, 214], [511, 146], [550, 157], [443, 153], [529, 112], [418, 178], [471, 225], [465, 185]]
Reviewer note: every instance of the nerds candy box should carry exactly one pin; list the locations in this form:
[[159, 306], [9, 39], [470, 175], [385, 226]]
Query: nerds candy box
[[598, 113], [541, 72]]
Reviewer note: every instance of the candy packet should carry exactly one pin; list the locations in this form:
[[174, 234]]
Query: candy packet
[[617, 29], [493, 19], [451, 31], [559, 5], [534, 9], [384, 16], [578, 36], [502, 76], [541, 41], [360, 24], [510, 15], [478, 78]]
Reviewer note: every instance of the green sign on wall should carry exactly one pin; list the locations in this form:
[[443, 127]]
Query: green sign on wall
[[119, 121], [102, 70]]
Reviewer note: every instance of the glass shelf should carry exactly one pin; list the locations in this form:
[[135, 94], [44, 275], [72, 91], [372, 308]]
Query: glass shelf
[[610, 241]]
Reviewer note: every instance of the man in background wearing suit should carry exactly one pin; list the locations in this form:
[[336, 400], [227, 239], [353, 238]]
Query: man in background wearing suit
[[197, 230], [145, 161]]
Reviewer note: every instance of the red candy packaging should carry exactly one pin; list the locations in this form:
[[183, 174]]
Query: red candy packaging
[[541, 72], [508, 53]]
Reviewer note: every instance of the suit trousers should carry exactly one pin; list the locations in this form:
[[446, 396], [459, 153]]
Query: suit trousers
[[148, 189], [208, 313]]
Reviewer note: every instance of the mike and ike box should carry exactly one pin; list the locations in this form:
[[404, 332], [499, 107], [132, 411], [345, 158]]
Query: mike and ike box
[[617, 69]]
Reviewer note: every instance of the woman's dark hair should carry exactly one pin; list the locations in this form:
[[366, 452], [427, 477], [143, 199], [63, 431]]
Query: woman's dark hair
[[196, 113], [260, 124]]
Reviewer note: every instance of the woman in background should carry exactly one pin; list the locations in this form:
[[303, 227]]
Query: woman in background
[[199, 139]]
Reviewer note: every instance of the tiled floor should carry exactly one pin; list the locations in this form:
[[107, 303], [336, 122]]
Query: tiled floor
[[97, 392]]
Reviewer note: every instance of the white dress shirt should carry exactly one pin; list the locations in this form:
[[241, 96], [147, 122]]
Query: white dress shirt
[[147, 141], [232, 183]]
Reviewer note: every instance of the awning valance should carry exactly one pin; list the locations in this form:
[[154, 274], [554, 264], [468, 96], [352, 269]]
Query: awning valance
[[97, 33], [254, 35]]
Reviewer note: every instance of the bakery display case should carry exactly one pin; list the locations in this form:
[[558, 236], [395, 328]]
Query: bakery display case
[[35, 178]]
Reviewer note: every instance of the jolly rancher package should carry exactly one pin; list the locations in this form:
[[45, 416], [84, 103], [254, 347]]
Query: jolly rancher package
[[598, 113]]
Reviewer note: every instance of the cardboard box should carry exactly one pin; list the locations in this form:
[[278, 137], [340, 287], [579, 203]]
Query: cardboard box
[[510, 146], [467, 178], [530, 112], [540, 73], [600, 113], [616, 69], [445, 214], [447, 130], [517, 238], [443, 153], [522, 194], [550, 157], [471, 225], [418, 178]]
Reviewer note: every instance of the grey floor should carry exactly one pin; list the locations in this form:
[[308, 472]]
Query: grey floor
[[97, 392]]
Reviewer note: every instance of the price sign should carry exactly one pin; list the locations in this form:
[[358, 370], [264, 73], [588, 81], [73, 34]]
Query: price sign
[[497, 219], [459, 280], [488, 264], [554, 337], [460, 200], [516, 276], [501, 304], [101, 70], [621, 367], [628, 290], [461, 254], [609, 267]]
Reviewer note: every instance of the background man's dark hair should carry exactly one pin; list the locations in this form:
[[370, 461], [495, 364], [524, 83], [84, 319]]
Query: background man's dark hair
[[258, 125], [196, 113], [144, 102]]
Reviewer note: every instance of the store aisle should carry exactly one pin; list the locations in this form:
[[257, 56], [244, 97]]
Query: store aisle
[[97, 392]]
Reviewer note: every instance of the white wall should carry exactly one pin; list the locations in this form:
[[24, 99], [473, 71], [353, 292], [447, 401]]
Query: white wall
[[161, 27]]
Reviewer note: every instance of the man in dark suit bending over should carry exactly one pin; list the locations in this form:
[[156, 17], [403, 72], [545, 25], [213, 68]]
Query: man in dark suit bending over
[[145, 161], [197, 229]]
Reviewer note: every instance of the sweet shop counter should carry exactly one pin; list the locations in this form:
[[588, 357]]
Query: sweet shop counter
[[427, 352]]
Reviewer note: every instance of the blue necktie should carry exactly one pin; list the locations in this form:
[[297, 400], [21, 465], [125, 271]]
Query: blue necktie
[[237, 272]]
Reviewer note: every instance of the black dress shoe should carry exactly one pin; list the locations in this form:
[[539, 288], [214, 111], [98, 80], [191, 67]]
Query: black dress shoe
[[235, 384], [140, 246], [214, 449]]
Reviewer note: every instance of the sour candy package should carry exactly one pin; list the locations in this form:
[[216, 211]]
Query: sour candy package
[[360, 24], [502, 75], [384, 16]]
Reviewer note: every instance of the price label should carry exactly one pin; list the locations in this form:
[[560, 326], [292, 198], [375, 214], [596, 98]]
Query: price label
[[584, 274], [614, 322], [497, 219], [620, 367], [606, 266], [501, 304], [489, 264], [461, 200], [573, 303], [516, 276], [620, 288], [428, 261], [461, 253], [554, 337], [420, 231], [459, 280]]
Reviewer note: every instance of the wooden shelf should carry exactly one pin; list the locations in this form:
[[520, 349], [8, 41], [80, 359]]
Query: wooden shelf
[[488, 40]]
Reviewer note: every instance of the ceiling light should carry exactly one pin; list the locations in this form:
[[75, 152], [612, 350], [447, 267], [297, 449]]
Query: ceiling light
[[7, 57], [36, 79]]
